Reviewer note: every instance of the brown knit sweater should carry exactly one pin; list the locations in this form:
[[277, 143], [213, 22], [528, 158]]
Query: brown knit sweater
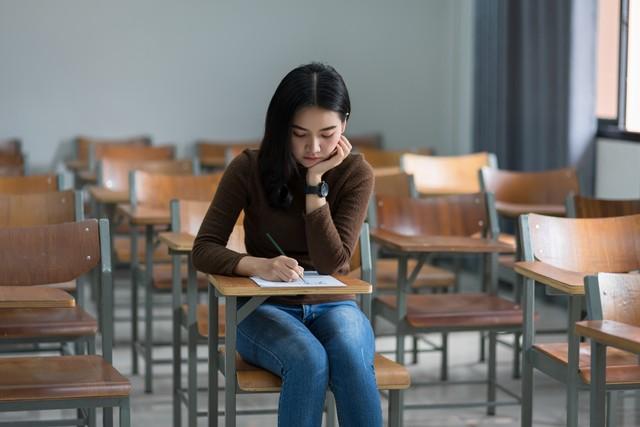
[[323, 240]]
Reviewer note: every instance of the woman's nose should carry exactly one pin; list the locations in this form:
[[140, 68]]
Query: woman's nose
[[313, 146]]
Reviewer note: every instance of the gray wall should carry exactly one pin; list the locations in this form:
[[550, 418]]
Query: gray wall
[[182, 70]]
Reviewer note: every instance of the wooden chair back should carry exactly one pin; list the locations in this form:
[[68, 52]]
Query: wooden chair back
[[187, 216], [11, 146], [30, 184], [447, 174], [614, 297], [113, 173], [131, 152], [157, 190], [59, 253], [222, 151], [533, 188], [610, 245], [83, 144], [461, 215], [24, 210], [378, 158], [587, 207]]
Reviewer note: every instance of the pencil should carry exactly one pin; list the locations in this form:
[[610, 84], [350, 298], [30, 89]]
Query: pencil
[[281, 252]]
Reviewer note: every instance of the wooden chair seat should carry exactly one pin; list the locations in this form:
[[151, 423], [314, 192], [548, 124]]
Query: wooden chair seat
[[460, 311], [162, 278], [46, 322], [202, 319], [622, 366], [59, 377], [122, 249], [389, 376], [429, 276]]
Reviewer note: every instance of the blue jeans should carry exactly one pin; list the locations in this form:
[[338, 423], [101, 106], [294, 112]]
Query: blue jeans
[[312, 347]]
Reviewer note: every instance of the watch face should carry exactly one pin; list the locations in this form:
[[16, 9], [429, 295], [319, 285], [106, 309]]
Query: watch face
[[323, 189]]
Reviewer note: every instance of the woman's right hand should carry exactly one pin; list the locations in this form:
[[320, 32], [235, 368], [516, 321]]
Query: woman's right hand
[[280, 269]]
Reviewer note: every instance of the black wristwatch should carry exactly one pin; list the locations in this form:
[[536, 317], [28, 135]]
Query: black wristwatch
[[320, 190]]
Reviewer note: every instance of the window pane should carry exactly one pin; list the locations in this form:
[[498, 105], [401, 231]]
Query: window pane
[[608, 46], [633, 68]]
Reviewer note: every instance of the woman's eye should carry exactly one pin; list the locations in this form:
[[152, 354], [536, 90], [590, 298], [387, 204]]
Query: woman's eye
[[299, 135], [327, 136]]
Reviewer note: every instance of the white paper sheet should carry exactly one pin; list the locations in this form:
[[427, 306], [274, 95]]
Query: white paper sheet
[[312, 279]]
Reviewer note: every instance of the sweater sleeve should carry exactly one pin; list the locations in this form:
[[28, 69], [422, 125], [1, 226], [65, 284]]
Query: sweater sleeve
[[332, 233], [210, 254]]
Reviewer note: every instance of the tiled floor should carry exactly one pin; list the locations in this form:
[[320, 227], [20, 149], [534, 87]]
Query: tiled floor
[[156, 409]]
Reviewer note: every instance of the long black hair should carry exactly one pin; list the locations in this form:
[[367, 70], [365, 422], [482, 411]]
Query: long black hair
[[307, 85]]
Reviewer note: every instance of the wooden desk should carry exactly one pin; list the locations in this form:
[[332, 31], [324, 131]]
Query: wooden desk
[[514, 210], [87, 176], [107, 196], [34, 297], [147, 217], [231, 288], [76, 165], [213, 161]]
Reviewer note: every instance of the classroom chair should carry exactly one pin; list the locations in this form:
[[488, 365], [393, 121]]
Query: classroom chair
[[53, 254], [455, 225], [390, 376], [558, 253], [430, 278], [613, 325], [520, 193], [186, 218], [154, 192]]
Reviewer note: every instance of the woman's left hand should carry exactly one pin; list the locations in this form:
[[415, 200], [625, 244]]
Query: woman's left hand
[[342, 150]]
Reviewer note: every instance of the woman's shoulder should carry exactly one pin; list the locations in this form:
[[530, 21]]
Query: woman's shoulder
[[246, 160]]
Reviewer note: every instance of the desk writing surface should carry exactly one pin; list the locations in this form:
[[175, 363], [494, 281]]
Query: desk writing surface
[[243, 286], [34, 297], [105, 195], [570, 282], [143, 215], [179, 242], [620, 335], [405, 243], [514, 210], [213, 161]]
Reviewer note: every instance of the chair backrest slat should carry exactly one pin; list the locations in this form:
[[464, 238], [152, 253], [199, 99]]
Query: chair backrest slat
[[23, 210], [614, 297], [157, 190], [546, 187], [587, 207], [83, 144], [29, 184], [113, 173], [457, 215], [48, 254], [446, 174], [609, 245]]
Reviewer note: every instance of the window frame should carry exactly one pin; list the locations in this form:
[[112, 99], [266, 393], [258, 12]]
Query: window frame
[[616, 128]]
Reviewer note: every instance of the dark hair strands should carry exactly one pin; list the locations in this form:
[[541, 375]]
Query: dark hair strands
[[313, 84]]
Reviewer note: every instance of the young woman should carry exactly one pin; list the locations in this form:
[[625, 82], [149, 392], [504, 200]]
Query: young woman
[[307, 191]]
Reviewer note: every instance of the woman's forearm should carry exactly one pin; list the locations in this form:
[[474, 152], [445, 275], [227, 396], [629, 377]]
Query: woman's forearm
[[249, 266]]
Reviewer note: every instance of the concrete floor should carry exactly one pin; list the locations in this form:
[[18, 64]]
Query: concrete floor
[[549, 401]]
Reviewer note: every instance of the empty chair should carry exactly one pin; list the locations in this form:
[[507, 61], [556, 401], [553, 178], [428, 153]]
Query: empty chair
[[372, 140], [614, 323], [558, 253], [82, 146], [378, 158], [10, 146], [50, 254]]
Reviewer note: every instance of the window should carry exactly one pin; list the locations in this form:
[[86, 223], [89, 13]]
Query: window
[[618, 67]]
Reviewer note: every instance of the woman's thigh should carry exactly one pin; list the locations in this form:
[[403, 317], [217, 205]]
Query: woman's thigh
[[275, 338]]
